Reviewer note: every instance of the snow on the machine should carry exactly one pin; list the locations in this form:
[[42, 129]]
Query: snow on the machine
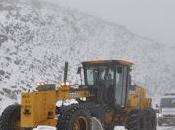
[[96, 125], [44, 128]]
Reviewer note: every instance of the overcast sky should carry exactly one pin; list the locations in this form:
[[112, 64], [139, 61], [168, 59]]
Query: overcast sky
[[154, 19]]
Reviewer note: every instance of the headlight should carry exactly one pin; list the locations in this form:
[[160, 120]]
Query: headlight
[[62, 83], [67, 83], [37, 84], [40, 83], [160, 115]]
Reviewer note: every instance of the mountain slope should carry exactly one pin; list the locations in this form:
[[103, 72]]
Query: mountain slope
[[37, 37]]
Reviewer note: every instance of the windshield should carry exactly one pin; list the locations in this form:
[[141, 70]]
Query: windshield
[[97, 74], [167, 102]]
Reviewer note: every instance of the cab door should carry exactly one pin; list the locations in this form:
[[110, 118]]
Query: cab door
[[121, 85]]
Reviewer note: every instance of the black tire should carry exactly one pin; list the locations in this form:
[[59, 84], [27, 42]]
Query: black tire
[[10, 117], [150, 119], [146, 119], [110, 128], [74, 117], [153, 119], [136, 120]]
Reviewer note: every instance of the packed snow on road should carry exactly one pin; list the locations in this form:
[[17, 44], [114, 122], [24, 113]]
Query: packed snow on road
[[117, 128]]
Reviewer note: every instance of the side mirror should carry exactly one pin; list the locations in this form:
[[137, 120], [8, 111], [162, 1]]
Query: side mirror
[[79, 70], [157, 106]]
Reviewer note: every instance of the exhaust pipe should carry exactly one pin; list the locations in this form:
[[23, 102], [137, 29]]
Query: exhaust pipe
[[65, 71]]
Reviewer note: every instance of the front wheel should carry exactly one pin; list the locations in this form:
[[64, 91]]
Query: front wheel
[[74, 118], [10, 118]]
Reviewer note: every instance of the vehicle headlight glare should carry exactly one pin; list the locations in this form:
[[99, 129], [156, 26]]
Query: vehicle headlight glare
[[160, 115], [62, 84], [67, 83], [37, 84]]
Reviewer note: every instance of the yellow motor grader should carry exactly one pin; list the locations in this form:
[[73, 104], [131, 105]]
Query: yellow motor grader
[[106, 94]]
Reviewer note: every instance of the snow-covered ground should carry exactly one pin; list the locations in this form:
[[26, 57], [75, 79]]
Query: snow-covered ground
[[159, 128], [117, 128]]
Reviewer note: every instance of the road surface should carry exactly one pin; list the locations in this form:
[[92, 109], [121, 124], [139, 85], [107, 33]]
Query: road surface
[[117, 128], [159, 128]]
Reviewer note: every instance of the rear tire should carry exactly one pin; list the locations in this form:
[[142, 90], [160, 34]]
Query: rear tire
[[111, 128], [10, 118], [136, 120], [153, 119]]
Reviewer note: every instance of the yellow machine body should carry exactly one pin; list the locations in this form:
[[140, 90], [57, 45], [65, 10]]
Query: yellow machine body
[[106, 93], [139, 99], [39, 107]]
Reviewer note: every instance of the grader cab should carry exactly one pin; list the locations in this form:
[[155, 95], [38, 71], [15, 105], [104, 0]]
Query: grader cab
[[107, 95]]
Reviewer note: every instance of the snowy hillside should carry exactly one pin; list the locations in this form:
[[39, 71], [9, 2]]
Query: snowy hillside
[[36, 38]]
